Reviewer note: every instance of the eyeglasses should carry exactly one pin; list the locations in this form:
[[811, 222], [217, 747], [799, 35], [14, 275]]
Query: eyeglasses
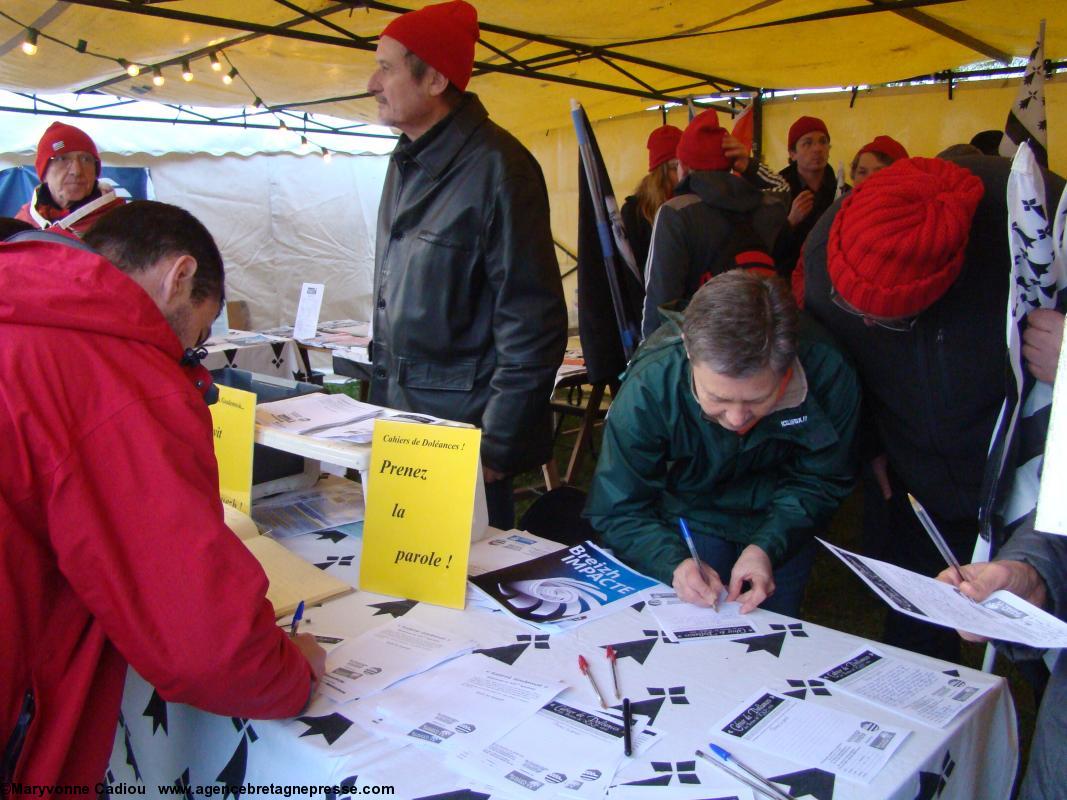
[[82, 159], [898, 324]]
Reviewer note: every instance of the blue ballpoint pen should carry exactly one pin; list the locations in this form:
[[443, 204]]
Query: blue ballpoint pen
[[729, 758], [693, 552], [299, 615]]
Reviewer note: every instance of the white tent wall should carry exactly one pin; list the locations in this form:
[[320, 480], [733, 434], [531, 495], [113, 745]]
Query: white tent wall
[[280, 221]]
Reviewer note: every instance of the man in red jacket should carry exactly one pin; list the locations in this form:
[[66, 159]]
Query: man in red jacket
[[71, 195], [113, 548]]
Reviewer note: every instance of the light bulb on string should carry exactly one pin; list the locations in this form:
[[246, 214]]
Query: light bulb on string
[[327, 156], [133, 70], [187, 73], [229, 76], [216, 65], [29, 44], [157, 76]]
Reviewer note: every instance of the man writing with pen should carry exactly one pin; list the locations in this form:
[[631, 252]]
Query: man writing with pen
[[738, 417]]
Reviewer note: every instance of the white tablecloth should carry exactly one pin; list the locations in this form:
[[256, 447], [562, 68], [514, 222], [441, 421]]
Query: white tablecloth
[[255, 352], [682, 688]]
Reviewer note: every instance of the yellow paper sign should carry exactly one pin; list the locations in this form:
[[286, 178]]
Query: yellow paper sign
[[233, 420], [420, 502]]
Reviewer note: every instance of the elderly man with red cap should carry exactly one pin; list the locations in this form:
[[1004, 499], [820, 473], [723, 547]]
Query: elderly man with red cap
[[713, 216], [71, 196], [469, 318], [910, 271], [812, 184]]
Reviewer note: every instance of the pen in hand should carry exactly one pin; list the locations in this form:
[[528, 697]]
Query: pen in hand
[[693, 554], [299, 615], [935, 536]]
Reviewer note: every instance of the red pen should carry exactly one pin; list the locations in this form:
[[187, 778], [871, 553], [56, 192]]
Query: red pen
[[583, 665], [612, 656]]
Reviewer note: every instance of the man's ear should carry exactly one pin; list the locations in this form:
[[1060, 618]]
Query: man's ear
[[176, 278], [437, 83]]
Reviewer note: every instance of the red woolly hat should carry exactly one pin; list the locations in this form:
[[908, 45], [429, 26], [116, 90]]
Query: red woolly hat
[[701, 144], [662, 144], [898, 241], [803, 126], [442, 35], [887, 146], [62, 138]]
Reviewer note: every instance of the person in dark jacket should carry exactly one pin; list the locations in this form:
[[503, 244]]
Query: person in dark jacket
[[910, 272], [812, 185], [740, 421], [694, 234], [469, 318], [655, 188]]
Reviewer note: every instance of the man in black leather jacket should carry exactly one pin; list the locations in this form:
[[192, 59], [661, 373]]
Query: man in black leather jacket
[[469, 318]]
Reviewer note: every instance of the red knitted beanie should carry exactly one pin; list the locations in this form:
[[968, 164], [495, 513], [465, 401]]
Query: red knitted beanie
[[701, 144], [805, 125], [442, 35], [662, 144], [887, 146], [898, 241], [62, 138]]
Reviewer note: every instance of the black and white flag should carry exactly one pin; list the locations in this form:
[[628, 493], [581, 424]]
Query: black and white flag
[[1038, 280], [1026, 120]]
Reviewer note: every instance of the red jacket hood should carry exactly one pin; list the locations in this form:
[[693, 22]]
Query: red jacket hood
[[59, 285]]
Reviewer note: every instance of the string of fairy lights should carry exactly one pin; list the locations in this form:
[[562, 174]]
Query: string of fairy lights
[[30, 46]]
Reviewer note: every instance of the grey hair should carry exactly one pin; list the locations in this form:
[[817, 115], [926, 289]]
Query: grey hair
[[739, 323], [418, 69]]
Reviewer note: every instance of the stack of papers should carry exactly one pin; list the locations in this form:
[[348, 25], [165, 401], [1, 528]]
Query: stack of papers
[[332, 416], [330, 503]]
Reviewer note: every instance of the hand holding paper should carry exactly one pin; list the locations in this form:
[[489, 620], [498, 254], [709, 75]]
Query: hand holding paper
[[697, 583], [981, 580], [753, 567]]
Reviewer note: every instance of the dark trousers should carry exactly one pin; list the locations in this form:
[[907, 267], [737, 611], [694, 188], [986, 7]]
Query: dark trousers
[[500, 503], [790, 577], [910, 547]]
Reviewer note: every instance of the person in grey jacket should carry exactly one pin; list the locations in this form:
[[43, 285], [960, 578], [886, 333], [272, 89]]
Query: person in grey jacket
[[712, 217], [1032, 565], [469, 318]]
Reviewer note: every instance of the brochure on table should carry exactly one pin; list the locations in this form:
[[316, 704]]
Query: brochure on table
[[307, 310], [425, 504], [566, 588]]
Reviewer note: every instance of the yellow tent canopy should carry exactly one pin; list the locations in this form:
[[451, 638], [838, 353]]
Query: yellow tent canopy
[[619, 58]]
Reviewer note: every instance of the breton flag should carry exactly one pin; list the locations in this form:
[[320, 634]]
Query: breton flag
[[1026, 120], [1038, 246], [610, 288]]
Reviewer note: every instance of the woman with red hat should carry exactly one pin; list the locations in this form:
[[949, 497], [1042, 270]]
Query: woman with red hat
[[655, 189], [877, 154]]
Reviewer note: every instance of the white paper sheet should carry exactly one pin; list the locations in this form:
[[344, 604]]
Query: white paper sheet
[[1002, 615], [506, 549], [903, 686], [570, 747], [307, 310], [809, 734], [1052, 499], [466, 704], [386, 655], [685, 622], [329, 503]]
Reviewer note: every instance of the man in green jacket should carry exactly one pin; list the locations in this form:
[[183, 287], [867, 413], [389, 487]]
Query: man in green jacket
[[739, 418]]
